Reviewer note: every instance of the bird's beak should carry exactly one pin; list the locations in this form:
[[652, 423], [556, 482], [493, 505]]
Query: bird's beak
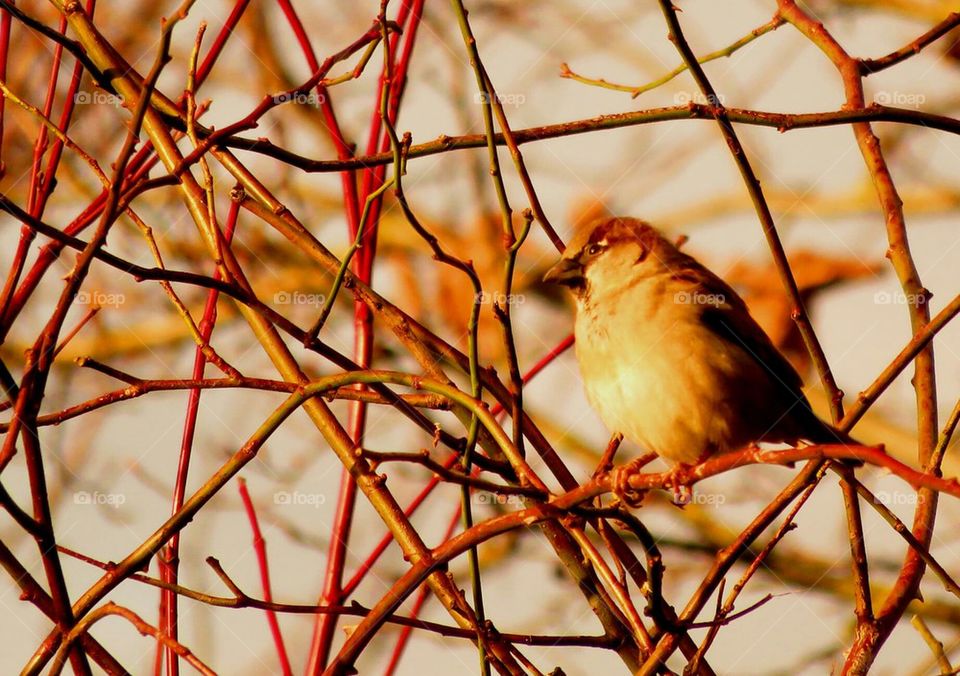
[[567, 271]]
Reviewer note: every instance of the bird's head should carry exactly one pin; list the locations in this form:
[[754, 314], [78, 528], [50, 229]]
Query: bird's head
[[610, 253]]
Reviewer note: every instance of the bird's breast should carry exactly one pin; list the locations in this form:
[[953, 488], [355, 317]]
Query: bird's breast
[[655, 374]]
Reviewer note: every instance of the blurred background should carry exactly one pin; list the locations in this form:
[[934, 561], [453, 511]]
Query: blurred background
[[110, 472]]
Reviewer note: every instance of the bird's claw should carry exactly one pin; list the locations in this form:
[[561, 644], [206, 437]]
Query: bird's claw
[[682, 493], [620, 483]]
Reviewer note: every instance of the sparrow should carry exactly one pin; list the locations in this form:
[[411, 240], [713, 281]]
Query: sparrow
[[669, 354]]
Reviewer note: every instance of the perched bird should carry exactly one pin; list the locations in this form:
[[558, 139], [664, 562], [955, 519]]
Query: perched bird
[[669, 354]]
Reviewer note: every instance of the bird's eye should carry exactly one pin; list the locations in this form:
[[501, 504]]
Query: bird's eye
[[594, 249]]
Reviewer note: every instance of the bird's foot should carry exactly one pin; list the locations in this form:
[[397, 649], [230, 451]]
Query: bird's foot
[[676, 482], [620, 482], [679, 478]]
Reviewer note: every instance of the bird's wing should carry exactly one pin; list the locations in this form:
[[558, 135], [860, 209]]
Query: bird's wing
[[726, 314]]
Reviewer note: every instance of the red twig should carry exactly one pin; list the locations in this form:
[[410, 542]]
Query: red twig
[[371, 180], [4, 55], [260, 547], [169, 559]]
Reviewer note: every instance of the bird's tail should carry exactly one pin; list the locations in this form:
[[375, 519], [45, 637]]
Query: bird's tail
[[832, 435], [824, 433]]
